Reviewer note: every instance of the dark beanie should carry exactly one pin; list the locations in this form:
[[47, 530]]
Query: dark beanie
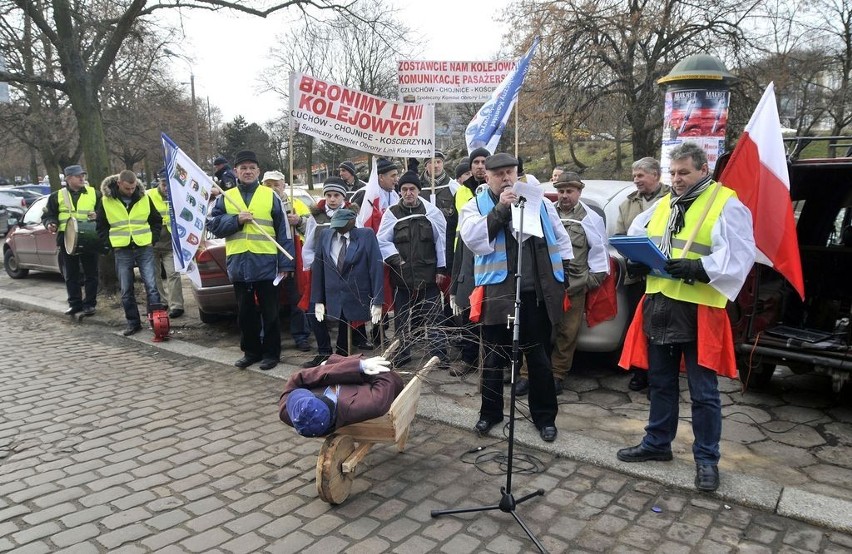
[[384, 165], [462, 167], [245, 156], [411, 175], [477, 153]]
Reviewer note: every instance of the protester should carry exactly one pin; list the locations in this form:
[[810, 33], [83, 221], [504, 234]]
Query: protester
[[486, 228], [128, 221], [164, 261], [82, 267], [557, 171], [347, 280], [253, 260], [682, 320], [343, 390], [225, 176], [388, 178], [412, 238], [649, 190], [347, 172]]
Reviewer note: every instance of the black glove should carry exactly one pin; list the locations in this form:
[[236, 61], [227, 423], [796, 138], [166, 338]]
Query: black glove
[[688, 270], [637, 269]]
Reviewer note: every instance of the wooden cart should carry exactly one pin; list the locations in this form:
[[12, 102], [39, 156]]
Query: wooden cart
[[346, 447]]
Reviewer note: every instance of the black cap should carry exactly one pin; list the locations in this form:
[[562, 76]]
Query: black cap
[[439, 154], [411, 176], [500, 160], [385, 165], [462, 167], [245, 156], [479, 153], [220, 161]]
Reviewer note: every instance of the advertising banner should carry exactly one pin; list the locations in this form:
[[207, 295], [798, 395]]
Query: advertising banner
[[442, 82], [352, 118], [696, 115]]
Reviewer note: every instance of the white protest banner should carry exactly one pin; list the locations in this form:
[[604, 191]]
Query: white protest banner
[[189, 194], [352, 118], [442, 82]]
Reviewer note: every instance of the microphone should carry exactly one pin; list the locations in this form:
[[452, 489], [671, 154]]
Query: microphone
[[521, 201]]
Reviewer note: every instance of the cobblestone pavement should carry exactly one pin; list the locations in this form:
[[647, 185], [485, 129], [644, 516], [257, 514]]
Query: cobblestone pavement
[[107, 444]]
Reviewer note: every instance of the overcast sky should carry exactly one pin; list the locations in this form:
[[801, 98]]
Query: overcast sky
[[229, 52]]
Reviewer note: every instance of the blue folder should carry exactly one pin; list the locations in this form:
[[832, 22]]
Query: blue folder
[[641, 249]]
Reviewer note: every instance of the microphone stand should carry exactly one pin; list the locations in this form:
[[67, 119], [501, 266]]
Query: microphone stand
[[508, 502]]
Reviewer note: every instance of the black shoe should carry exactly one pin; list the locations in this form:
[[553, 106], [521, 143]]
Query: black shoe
[[131, 329], [364, 345], [72, 311], [317, 360], [268, 363], [88, 310], [246, 361], [176, 313], [548, 433], [706, 477], [639, 380], [639, 453], [522, 386], [483, 426], [303, 346], [557, 384]]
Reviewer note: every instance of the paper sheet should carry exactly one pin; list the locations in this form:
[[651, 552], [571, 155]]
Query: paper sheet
[[534, 196]]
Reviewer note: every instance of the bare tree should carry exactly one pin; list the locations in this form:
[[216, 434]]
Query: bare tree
[[87, 38], [606, 52]]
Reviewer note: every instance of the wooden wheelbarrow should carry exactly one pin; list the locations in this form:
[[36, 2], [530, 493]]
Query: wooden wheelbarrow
[[346, 447]]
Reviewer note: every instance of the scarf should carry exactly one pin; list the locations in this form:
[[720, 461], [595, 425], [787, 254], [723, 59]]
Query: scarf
[[679, 205]]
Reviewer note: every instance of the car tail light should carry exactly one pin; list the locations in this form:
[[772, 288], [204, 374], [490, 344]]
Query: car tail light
[[208, 267]]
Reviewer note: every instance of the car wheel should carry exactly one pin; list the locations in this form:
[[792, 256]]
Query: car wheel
[[207, 317], [10, 262], [758, 377]]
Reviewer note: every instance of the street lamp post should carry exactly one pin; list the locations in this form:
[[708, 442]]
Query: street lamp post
[[192, 96]]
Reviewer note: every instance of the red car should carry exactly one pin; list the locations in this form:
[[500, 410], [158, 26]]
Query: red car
[[30, 246]]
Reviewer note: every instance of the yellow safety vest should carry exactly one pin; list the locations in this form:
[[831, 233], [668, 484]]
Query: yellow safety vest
[[124, 225], [85, 204], [249, 239], [162, 206], [697, 293]]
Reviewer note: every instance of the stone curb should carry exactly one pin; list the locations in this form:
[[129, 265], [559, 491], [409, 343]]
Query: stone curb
[[831, 513]]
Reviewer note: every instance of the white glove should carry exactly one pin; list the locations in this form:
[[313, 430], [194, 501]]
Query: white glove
[[375, 365], [457, 310], [375, 314], [319, 312]]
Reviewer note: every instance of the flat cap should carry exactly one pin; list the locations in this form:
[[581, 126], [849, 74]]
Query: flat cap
[[499, 160]]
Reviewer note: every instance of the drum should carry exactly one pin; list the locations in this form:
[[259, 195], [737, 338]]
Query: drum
[[81, 237]]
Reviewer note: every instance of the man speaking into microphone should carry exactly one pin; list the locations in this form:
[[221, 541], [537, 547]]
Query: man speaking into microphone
[[486, 229]]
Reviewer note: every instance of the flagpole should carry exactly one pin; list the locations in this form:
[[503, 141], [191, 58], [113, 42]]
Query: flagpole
[[517, 108], [259, 228], [432, 171], [701, 219]]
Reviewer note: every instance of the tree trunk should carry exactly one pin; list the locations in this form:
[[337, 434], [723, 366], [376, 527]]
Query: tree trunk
[[551, 149], [580, 165], [87, 109], [644, 143]]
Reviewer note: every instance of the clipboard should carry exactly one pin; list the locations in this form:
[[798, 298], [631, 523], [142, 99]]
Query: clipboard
[[641, 249]]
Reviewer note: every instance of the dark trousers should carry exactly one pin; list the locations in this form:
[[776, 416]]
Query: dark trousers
[[256, 317], [535, 333], [419, 307], [81, 269], [324, 337], [300, 327]]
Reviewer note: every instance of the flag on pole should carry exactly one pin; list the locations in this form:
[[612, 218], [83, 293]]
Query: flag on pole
[[486, 127], [189, 196], [370, 213], [757, 171]]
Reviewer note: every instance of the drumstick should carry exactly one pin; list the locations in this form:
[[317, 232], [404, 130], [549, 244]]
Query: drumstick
[[259, 228]]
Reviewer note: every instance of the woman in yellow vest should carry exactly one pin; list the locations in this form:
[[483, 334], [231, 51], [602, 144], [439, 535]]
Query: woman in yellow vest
[[128, 221], [681, 320]]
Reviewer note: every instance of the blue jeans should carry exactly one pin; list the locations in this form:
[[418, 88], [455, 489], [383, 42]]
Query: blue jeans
[[663, 384], [143, 258]]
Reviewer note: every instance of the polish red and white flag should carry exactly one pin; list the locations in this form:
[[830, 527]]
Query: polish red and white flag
[[757, 171]]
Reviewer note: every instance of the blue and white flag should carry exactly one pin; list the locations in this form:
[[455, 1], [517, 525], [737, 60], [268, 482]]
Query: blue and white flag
[[189, 201], [486, 127]]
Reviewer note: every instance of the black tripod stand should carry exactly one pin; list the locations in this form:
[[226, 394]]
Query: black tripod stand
[[507, 500]]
